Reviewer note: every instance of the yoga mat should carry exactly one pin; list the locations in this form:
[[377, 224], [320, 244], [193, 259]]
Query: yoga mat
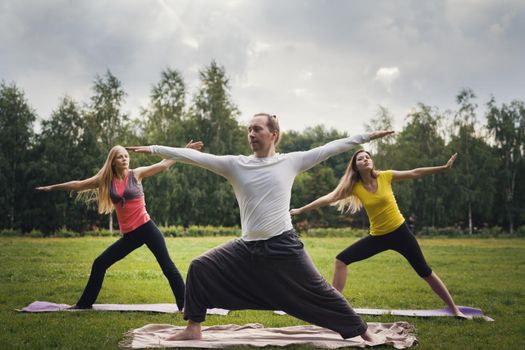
[[44, 306], [468, 311], [400, 335]]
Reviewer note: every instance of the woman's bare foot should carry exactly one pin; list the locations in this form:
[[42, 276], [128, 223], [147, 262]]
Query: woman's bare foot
[[457, 313], [79, 307], [192, 332]]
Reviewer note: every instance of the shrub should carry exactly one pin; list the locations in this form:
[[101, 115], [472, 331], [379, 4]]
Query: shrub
[[172, 231], [206, 231], [36, 234], [199, 231], [227, 231], [334, 232], [483, 232], [449, 231], [520, 231], [66, 233], [98, 232], [495, 231], [9, 232]]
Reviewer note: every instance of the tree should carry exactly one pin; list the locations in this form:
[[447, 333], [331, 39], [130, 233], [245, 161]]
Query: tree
[[321, 179], [421, 144], [105, 114], [382, 148], [507, 125], [203, 196], [66, 151], [105, 117], [16, 135], [475, 168], [313, 137], [166, 110], [214, 113], [163, 125], [311, 185]]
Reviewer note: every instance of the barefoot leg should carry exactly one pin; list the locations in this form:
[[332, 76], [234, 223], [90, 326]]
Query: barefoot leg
[[441, 290]]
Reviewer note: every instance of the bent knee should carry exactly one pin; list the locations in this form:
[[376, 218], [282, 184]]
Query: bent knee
[[425, 274], [196, 264], [100, 264], [339, 264]]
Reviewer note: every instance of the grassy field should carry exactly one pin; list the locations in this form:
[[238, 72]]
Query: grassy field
[[484, 273]]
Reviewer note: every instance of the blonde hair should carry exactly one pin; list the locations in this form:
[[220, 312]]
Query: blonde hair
[[105, 175], [343, 197]]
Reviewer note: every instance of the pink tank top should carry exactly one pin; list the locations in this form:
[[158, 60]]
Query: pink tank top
[[128, 198]]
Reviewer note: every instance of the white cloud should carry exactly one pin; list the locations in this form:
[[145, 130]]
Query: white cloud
[[190, 42], [306, 75], [387, 75], [257, 48]]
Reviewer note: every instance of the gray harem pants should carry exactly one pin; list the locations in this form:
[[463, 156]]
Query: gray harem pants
[[273, 274]]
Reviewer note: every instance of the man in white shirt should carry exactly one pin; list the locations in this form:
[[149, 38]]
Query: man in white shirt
[[267, 268]]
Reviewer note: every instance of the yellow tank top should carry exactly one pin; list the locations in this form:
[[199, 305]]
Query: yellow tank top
[[381, 206]]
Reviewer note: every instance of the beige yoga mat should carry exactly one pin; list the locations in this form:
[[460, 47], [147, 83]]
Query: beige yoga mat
[[400, 335]]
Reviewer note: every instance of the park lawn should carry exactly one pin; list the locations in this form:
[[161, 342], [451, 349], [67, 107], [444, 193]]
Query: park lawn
[[484, 273]]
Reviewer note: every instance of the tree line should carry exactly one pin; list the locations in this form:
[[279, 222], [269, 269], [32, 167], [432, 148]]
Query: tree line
[[485, 188]]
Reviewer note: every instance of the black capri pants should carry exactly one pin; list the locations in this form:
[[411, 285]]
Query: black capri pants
[[400, 240]]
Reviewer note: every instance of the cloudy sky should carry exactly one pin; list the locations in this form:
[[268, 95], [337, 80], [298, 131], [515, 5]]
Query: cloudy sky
[[309, 62]]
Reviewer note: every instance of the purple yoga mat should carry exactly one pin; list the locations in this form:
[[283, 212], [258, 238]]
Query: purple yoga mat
[[468, 311], [45, 306]]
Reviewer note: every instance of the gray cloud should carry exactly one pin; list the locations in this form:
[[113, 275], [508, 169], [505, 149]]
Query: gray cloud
[[310, 62]]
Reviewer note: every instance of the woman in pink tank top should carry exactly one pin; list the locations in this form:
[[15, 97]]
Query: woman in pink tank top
[[120, 188]]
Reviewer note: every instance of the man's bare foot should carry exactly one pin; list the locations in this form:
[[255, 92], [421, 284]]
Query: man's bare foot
[[192, 332], [373, 338]]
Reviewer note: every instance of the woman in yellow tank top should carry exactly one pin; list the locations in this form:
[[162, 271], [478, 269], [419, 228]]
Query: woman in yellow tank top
[[363, 186]]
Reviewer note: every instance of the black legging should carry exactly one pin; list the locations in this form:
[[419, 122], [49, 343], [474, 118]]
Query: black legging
[[401, 240], [147, 234]]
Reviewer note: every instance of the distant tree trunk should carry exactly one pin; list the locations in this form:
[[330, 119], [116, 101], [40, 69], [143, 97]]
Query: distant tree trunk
[[510, 212], [470, 218]]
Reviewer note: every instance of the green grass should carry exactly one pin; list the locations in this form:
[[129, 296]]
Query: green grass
[[485, 273]]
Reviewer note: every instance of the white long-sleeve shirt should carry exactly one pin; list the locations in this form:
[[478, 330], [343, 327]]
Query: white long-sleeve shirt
[[263, 186]]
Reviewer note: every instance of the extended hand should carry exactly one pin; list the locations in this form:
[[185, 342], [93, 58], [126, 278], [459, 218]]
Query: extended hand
[[43, 188], [381, 133], [195, 145], [139, 149], [295, 211], [451, 161]]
